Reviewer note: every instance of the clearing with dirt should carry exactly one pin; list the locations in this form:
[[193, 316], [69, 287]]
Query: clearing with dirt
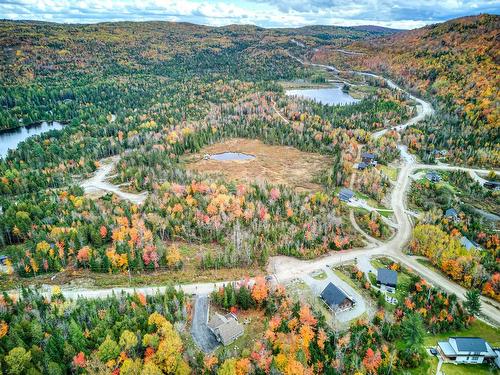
[[274, 164]]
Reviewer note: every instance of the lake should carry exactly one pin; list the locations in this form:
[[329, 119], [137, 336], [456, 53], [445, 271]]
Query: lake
[[330, 96], [9, 139]]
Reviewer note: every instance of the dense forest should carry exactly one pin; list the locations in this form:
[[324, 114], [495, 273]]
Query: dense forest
[[455, 63]]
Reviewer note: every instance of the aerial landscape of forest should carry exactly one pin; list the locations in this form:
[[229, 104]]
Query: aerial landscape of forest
[[233, 196]]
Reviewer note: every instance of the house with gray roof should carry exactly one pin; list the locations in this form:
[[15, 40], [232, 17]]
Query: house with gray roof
[[473, 350], [452, 214], [387, 279], [433, 176], [346, 195], [468, 244], [226, 328], [336, 299]]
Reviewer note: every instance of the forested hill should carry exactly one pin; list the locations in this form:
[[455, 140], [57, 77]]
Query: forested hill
[[56, 72], [456, 60], [30, 50]]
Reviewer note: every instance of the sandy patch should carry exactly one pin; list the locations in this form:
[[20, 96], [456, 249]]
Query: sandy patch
[[273, 164]]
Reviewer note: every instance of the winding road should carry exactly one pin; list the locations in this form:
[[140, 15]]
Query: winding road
[[286, 269]]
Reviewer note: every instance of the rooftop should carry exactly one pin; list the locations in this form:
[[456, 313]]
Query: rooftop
[[387, 277], [333, 295], [468, 244]]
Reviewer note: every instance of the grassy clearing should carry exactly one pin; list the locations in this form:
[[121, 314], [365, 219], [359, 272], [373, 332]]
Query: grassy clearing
[[268, 166], [476, 329], [390, 172], [319, 275], [452, 369]]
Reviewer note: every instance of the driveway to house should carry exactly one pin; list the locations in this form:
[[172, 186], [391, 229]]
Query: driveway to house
[[364, 265], [317, 287], [203, 337]]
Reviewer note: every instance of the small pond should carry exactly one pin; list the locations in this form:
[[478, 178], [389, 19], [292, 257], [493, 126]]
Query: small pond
[[223, 156], [9, 139], [330, 96]]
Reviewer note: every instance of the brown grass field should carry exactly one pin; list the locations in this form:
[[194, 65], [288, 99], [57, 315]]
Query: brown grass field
[[273, 164]]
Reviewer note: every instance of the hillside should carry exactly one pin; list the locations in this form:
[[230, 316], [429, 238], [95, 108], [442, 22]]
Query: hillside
[[44, 67], [456, 62]]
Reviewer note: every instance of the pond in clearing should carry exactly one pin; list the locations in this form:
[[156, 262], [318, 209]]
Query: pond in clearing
[[223, 156], [10, 138], [330, 96]]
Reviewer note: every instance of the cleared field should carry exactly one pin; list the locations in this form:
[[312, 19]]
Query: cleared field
[[274, 164]]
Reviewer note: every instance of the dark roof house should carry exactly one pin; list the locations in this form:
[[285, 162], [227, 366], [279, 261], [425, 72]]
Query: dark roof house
[[225, 327], [346, 195], [336, 299], [387, 277], [368, 158]]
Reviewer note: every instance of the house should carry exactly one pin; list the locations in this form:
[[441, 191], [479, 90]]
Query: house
[[3, 259], [494, 185], [433, 176], [336, 299], [226, 328], [346, 195], [387, 279], [452, 214], [473, 350], [369, 158], [468, 244]]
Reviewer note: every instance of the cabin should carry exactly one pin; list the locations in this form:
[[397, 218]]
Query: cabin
[[346, 195], [471, 350], [433, 176], [387, 280], [369, 158], [468, 244], [226, 328], [336, 299], [493, 185], [452, 214]]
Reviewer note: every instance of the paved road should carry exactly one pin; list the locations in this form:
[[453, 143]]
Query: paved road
[[203, 337]]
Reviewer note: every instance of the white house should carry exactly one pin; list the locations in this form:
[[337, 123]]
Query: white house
[[472, 350]]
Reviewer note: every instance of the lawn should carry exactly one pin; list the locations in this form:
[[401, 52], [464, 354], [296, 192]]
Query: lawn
[[452, 369], [476, 329], [319, 275], [390, 172]]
